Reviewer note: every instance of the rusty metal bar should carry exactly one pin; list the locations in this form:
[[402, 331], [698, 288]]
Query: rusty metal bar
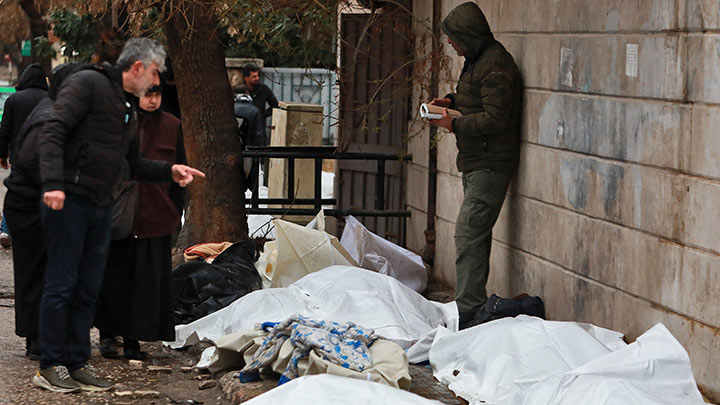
[[291, 179], [332, 212], [380, 185], [318, 183], [318, 154], [256, 184]]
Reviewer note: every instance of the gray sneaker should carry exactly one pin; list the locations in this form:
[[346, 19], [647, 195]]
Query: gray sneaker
[[55, 378], [89, 381]]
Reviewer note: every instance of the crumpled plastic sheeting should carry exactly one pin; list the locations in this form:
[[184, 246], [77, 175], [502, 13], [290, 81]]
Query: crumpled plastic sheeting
[[331, 389], [337, 293], [655, 369], [526, 360], [420, 351], [304, 250], [378, 254]]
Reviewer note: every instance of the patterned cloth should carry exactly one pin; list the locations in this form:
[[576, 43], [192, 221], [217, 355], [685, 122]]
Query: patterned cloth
[[346, 345]]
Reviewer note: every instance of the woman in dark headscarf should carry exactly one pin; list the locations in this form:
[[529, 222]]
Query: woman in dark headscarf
[[136, 298]]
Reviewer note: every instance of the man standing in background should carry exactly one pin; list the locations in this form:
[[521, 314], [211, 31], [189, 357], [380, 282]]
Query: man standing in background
[[489, 95], [261, 94]]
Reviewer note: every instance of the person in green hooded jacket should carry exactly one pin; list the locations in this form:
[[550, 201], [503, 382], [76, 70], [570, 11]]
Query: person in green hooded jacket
[[489, 95]]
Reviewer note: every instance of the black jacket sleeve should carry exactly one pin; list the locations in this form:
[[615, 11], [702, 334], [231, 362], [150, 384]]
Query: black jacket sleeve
[[272, 100], [6, 127], [70, 108], [147, 169], [179, 194]]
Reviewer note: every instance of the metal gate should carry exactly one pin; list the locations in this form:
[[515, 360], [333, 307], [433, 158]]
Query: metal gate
[[376, 63]]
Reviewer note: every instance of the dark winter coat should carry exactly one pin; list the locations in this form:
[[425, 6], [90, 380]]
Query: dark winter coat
[[24, 180], [262, 96], [31, 88], [160, 204], [489, 94], [90, 138], [255, 134]]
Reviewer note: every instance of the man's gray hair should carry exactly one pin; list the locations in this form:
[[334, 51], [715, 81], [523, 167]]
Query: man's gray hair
[[145, 50]]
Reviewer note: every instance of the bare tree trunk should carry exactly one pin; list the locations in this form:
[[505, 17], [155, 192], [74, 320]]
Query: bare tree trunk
[[216, 212]]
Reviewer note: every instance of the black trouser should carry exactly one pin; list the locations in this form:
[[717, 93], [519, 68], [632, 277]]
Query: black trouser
[[78, 238], [29, 256]]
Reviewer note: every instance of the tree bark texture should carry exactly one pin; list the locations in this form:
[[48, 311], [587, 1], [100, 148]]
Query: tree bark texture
[[216, 211], [112, 28], [38, 28]]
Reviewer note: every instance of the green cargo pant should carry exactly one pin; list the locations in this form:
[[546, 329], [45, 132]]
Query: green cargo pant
[[484, 195]]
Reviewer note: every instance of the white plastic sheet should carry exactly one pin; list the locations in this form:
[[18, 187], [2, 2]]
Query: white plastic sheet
[[526, 360], [330, 389], [375, 253], [655, 369], [338, 293], [420, 351], [268, 260], [302, 250]]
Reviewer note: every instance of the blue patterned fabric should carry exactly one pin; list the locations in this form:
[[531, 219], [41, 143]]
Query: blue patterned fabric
[[346, 345]]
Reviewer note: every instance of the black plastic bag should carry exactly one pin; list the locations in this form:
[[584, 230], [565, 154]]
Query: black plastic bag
[[201, 288]]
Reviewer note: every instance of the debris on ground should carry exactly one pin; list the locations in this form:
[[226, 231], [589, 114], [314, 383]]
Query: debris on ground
[[203, 385], [136, 364]]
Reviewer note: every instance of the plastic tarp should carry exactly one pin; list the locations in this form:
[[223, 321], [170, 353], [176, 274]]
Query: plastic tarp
[[526, 360], [330, 389], [655, 369], [375, 253], [303, 250], [337, 293]]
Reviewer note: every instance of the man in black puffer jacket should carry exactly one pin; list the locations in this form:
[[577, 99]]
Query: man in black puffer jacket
[[87, 142], [22, 211]]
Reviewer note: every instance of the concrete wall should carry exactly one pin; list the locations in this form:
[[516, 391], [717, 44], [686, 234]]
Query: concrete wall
[[613, 217]]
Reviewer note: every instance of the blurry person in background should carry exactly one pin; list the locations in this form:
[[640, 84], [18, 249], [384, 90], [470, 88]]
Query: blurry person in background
[[31, 88]]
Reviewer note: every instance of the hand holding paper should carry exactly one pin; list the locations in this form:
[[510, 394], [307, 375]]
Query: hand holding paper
[[435, 111]]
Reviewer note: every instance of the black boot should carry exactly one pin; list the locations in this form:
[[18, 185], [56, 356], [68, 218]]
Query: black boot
[[108, 346], [131, 349], [32, 349]]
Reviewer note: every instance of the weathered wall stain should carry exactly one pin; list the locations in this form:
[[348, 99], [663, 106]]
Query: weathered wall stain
[[628, 131], [585, 178], [580, 295]]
